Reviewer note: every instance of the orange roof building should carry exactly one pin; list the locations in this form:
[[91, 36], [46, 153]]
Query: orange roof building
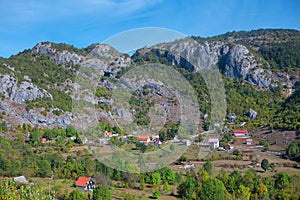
[[84, 183], [108, 134], [144, 139], [43, 140]]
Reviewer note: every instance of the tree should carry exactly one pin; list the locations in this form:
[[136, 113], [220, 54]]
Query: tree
[[208, 167], [236, 152], [251, 157], [3, 127], [223, 176], [234, 181], [44, 168], [263, 191], [170, 176], [187, 188], [101, 193], [76, 194], [156, 194], [227, 137], [265, 164], [212, 189], [272, 166], [200, 138], [142, 183], [166, 187], [292, 151], [70, 131], [282, 181], [141, 146], [156, 179], [34, 138], [182, 159], [129, 196], [243, 193]]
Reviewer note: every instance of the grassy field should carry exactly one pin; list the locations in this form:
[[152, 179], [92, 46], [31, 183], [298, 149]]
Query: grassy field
[[219, 160]]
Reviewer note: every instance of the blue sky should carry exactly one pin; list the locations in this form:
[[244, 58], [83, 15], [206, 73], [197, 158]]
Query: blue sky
[[83, 22]]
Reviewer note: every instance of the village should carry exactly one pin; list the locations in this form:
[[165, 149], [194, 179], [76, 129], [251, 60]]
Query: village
[[233, 150], [241, 140]]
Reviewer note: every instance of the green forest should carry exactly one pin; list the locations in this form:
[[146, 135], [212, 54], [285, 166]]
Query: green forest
[[32, 158]]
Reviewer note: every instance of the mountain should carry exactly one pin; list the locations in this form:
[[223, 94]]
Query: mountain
[[260, 71]]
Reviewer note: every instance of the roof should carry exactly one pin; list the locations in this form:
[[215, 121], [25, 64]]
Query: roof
[[213, 140], [82, 181], [143, 138], [107, 133], [249, 140], [240, 131], [20, 179]]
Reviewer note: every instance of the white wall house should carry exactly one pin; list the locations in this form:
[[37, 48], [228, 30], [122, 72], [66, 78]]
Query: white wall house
[[213, 142]]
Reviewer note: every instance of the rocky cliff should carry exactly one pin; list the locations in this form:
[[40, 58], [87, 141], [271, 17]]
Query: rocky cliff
[[20, 92], [99, 56], [234, 60]]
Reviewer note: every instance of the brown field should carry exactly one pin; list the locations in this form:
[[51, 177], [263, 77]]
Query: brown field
[[277, 139]]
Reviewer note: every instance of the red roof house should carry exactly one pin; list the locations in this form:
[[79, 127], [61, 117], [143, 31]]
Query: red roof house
[[108, 134], [144, 139], [43, 140], [84, 183], [239, 133]]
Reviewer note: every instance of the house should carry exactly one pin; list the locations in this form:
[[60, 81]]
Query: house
[[44, 140], [107, 134], [228, 146], [143, 139], [240, 133], [20, 179], [73, 138], [192, 166], [84, 183], [186, 142], [156, 141], [249, 141], [213, 142]]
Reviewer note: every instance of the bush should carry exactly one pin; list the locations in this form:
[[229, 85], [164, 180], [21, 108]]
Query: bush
[[156, 194]]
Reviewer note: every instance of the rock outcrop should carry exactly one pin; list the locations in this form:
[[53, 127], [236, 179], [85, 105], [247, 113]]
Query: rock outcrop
[[35, 118], [58, 57], [20, 92], [235, 61], [238, 62], [98, 56]]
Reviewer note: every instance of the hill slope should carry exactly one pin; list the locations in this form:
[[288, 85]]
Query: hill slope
[[260, 69]]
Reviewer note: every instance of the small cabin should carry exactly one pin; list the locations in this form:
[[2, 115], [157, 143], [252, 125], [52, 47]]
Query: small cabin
[[84, 183]]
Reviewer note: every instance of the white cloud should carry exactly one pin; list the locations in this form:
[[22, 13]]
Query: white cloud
[[20, 12]]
